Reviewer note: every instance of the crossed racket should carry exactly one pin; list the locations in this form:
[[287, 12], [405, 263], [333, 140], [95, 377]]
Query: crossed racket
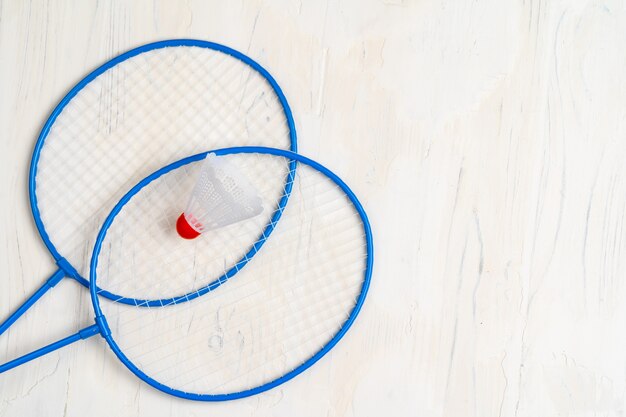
[[302, 267]]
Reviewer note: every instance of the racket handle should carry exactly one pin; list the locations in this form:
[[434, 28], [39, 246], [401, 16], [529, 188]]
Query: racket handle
[[50, 282], [81, 334]]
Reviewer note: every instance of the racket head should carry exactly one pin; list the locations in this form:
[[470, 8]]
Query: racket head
[[78, 241], [101, 306]]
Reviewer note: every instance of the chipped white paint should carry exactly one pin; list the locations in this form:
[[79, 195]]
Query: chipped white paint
[[486, 140]]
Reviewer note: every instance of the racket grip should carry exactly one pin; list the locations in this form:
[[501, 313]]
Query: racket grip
[[50, 282], [80, 335]]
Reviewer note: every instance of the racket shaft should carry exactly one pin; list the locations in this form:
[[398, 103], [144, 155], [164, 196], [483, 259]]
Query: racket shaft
[[82, 334], [51, 282]]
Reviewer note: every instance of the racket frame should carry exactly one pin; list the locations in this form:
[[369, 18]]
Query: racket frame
[[63, 264], [101, 319]]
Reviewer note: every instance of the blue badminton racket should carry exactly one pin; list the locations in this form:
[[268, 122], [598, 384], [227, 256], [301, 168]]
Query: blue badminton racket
[[140, 111], [288, 306]]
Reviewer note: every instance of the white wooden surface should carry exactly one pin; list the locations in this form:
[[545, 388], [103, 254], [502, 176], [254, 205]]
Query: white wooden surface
[[486, 139]]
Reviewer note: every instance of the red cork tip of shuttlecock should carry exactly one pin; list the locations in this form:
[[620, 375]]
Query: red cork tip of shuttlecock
[[184, 229]]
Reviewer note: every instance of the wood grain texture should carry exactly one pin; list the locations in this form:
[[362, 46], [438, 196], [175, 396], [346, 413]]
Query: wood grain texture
[[486, 140]]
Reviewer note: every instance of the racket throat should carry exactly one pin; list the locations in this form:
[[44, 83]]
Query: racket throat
[[69, 271], [101, 326]]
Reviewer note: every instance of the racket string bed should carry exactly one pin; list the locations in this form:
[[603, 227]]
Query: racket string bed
[[146, 111], [285, 305]]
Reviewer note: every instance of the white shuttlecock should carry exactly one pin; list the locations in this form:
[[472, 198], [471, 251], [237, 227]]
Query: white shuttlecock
[[222, 196]]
